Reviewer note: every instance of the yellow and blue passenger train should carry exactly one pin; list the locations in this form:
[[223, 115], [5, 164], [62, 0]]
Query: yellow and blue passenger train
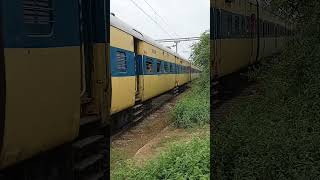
[[55, 89], [141, 68], [242, 33], [60, 81]]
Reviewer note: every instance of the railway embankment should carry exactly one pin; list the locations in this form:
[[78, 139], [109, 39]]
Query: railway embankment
[[172, 142], [273, 133], [179, 146]]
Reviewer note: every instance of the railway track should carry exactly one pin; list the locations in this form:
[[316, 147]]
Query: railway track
[[146, 109], [227, 92]]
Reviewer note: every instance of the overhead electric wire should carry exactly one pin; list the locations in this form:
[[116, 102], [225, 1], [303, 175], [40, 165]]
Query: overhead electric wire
[[150, 17], [156, 12], [163, 20], [155, 21]]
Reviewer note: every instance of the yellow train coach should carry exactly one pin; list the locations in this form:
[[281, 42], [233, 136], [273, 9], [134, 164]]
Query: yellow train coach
[[242, 33], [141, 68], [55, 89]]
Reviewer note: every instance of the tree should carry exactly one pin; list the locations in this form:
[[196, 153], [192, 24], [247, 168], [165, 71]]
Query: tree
[[201, 52]]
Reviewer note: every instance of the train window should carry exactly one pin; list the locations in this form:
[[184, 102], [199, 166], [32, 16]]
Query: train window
[[166, 67], [243, 25], [218, 15], [237, 25], [121, 61], [159, 66], [229, 21], [248, 26], [149, 64], [38, 17]]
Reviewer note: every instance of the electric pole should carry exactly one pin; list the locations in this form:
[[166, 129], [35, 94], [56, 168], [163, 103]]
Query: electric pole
[[178, 40]]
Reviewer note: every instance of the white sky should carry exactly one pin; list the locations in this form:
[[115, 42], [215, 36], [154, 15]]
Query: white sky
[[186, 18]]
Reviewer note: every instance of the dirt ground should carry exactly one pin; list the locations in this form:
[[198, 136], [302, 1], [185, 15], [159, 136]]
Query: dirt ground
[[148, 138]]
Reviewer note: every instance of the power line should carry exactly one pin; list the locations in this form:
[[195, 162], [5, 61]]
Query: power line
[[151, 18], [179, 39], [156, 13], [155, 21], [163, 20]]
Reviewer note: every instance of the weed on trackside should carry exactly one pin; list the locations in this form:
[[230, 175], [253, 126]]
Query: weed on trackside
[[276, 133], [194, 109], [188, 160]]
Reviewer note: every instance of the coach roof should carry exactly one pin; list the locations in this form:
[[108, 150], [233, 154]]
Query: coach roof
[[116, 22]]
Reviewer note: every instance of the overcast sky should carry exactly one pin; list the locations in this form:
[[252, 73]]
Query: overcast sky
[[180, 18]]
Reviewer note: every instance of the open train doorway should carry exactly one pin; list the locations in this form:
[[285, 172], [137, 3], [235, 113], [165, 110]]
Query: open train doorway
[[138, 68]]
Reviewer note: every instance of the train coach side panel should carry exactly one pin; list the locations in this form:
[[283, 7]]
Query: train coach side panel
[[239, 58], [155, 81], [42, 99], [123, 80]]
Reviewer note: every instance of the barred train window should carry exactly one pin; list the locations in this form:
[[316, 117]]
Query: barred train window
[[122, 61], [166, 67], [237, 25], [158, 66], [149, 65], [38, 17], [229, 23]]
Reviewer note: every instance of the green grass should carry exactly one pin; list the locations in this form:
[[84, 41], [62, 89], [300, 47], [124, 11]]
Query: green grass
[[189, 160], [118, 156], [276, 134], [194, 108]]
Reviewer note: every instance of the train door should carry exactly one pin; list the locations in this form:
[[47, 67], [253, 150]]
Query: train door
[[254, 37], [217, 19], [2, 83], [177, 71], [138, 70], [96, 84]]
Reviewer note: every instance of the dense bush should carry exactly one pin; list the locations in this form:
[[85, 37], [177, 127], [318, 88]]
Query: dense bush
[[194, 109], [182, 161], [276, 134]]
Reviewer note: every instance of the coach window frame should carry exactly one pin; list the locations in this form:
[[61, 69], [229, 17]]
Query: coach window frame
[[158, 66], [237, 25], [166, 67], [35, 22], [229, 25], [124, 66], [149, 66]]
